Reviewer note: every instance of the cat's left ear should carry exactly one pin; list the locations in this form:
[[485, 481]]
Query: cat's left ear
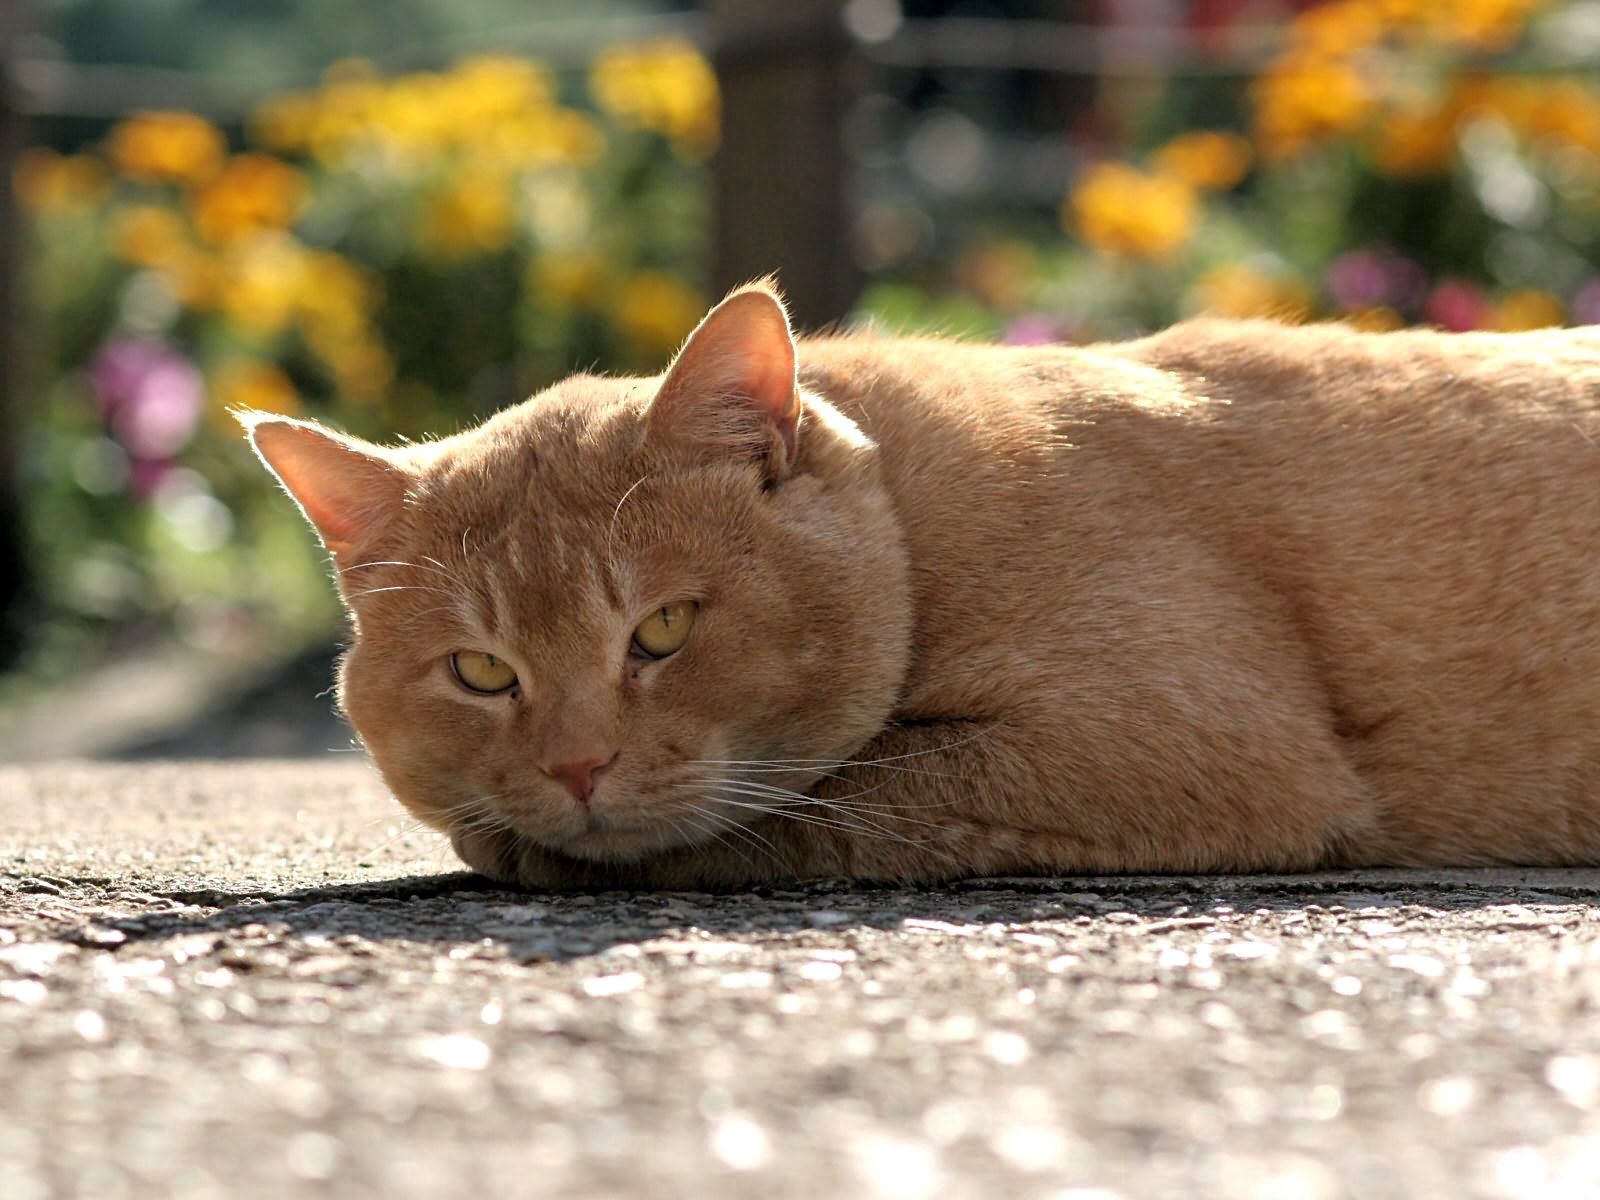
[[732, 388], [349, 490]]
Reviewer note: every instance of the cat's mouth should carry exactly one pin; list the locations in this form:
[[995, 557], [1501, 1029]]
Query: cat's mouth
[[610, 843], [608, 828], [603, 835]]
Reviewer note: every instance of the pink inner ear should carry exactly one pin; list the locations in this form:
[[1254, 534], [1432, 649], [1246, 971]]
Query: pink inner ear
[[348, 491], [769, 383], [741, 353]]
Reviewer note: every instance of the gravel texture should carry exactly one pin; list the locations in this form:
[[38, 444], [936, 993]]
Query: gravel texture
[[254, 980]]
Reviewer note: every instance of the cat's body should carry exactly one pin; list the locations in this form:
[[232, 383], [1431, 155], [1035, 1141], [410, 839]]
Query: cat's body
[[1234, 597]]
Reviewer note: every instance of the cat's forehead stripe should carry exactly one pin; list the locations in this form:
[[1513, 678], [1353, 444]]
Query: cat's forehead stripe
[[500, 609]]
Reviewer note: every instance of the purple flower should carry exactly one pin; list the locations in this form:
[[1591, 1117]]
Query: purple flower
[[150, 395], [1033, 329], [1586, 304], [1364, 278]]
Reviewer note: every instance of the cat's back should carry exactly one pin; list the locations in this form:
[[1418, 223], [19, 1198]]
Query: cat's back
[[1413, 518], [1416, 375], [1428, 506]]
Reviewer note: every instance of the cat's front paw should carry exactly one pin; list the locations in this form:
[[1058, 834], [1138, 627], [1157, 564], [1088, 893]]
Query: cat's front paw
[[506, 858], [489, 854]]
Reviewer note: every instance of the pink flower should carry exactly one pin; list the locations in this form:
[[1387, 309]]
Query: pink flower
[[1457, 305], [145, 475], [1033, 329], [1586, 304], [151, 397]]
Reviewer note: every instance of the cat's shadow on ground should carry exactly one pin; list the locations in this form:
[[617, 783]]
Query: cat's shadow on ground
[[465, 909]]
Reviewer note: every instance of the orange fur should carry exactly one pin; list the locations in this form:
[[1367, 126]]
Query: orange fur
[[1233, 597]]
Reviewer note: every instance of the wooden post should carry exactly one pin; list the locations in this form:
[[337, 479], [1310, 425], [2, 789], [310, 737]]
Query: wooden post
[[786, 72], [13, 19]]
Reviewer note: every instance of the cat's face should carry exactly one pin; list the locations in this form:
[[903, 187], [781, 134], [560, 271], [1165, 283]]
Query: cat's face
[[616, 618]]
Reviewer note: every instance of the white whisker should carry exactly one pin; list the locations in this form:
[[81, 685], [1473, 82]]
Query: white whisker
[[395, 562], [747, 834], [721, 826], [611, 527], [857, 825], [401, 587]]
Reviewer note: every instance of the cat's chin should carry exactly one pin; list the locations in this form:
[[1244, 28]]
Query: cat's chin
[[617, 845]]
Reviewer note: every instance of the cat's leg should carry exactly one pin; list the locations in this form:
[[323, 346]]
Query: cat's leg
[[760, 853], [939, 800], [949, 799]]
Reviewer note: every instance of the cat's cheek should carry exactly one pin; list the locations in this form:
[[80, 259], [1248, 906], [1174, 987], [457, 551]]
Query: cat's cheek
[[490, 854]]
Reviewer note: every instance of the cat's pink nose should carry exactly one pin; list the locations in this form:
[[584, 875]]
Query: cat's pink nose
[[579, 775]]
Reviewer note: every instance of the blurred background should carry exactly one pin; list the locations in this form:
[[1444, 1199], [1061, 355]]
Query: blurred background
[[399, 217]]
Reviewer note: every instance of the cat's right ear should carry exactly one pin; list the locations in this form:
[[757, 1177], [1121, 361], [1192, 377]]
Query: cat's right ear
[[348, 489], [732, 389]]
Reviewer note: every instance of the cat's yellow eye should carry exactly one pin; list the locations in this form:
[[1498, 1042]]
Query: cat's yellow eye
[[665, 631], [480, 672]]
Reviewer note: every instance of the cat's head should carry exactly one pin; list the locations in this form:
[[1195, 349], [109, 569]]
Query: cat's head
[[623, 615]]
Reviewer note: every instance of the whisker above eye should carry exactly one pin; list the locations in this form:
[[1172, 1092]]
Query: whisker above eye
[[611, 526], [428, 612], [395, 562], [401, 587]]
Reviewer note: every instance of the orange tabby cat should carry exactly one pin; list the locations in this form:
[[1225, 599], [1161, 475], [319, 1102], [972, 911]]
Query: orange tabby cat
[[1234, 597]]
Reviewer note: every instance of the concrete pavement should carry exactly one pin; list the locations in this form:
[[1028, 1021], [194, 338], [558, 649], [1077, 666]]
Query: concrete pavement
[[252, 980]]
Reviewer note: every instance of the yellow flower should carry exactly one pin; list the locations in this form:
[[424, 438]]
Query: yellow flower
[[1207, 159], [656, 312], [1240, 290], [198, 279], [1417, 141], [495, 111], [1305, 98], [571, 279], [361, 367], [252, 383], [1119, 210], [254, 192], [47, 182], [1512, 100], [1566, 111], [1528, 309], [345, 118], [470, 215], [537, 137], [160, 147], [335, 298], [664, 86], [285, 123], [148, 235], [1377, 318], [264, 279], [1485, 24], [480, 91], [1405, 14], [1342, 27]]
